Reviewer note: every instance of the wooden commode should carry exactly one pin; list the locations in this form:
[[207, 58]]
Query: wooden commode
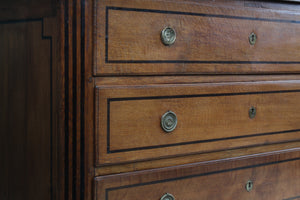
[[150, 99]]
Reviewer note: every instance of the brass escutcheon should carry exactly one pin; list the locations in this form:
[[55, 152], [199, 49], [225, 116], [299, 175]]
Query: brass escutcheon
[[252, 112], [249, 186], [252, 38]]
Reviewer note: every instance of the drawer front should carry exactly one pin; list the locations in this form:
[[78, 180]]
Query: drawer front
[[208, 39], [275, 177], [132, 123]]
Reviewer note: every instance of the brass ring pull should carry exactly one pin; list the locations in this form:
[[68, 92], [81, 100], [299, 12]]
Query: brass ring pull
[[168, 36], [167, 196], [169, 121]]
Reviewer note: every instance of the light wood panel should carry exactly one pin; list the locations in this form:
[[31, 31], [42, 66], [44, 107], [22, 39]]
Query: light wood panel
[[212, 38], [187, 159], [274, 177], [211, 117]]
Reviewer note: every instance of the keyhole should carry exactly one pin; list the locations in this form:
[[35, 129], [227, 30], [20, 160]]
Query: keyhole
[[252, 38], [252, 112], [249, 186]]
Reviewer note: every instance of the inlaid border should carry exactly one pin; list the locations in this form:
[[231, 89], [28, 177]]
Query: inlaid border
[[108, 8], [292, 198], [109, 151], [107, 190]]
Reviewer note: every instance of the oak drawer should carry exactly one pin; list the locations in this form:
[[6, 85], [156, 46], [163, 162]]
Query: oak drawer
[[209, 39], [272, 177], [210, 117]]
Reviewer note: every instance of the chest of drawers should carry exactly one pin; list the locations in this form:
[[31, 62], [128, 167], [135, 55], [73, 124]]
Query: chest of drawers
[[150, 99]]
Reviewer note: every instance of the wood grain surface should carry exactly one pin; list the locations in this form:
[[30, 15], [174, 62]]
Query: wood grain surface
[[193, 158], [27, 9], [188, 79], [211, 38], [211, 117], [25, 80], [53, 131], [274, 177]]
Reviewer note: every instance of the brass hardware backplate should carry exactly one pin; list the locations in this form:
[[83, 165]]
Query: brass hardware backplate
[[168, 36], [169, 121], [167, 196]]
